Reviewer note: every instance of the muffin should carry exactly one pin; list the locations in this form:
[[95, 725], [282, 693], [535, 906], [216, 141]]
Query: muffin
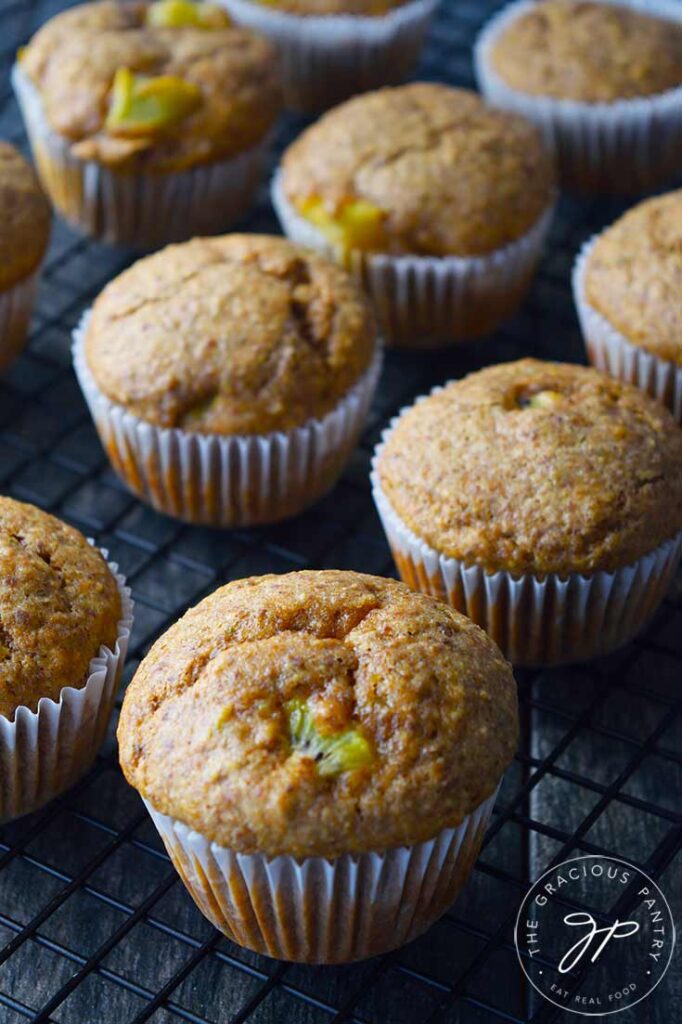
[[627, 284], [438, 203], [149, 122], [229, 378], [603, 81], [542, 499], [332, 49], [297, 737], [65, 619], [24, 234]]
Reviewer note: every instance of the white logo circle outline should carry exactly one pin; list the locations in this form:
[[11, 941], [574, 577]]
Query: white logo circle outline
[[622, 863]]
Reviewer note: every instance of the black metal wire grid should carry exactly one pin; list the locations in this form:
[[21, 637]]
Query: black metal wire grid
[[95, 924]]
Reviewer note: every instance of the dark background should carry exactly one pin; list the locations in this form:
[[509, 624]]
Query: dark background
[[96, 926]]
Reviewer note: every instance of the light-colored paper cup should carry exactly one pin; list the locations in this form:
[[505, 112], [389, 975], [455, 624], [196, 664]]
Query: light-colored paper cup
[[44, 752], [16, 307], [610, 351], [141, 210], [314, 910], [423, 301], [535, 620], [628, 146], [220, 480], [327, 58]]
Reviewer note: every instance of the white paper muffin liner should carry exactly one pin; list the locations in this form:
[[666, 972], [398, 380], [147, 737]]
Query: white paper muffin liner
[[424, 301], [627, 146], [44, 752], [549, 620], [16, 307], [610, 351], [327, 58], [315, 910], [222, 480], [140, 210]]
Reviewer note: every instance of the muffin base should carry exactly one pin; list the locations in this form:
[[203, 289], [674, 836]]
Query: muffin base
[[16, 307], [218, 480], [536, 621], [327, 58], [141, 210], [610, 351], [44, 752], [625, 147], [425, 302], [321, 911]]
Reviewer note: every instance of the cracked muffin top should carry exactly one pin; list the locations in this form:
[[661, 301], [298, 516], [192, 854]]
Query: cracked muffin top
[[590, 52], [243, 334], [422, 169], [134, 85], [537, 467], [59, 603], [319, 713], [24, 218], [634, 276]]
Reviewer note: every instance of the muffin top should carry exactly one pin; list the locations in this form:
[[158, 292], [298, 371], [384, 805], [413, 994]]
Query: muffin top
[[590, 52], [241, 334], [364, 8], [537, 467], [634, 276], [24, 218], [59, 604], [319, 713], [422, 169], [133, 84]]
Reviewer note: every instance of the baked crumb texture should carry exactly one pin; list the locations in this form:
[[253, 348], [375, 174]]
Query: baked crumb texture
[[24, 220]]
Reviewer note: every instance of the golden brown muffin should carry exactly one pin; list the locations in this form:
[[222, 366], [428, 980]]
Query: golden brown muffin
[[634, 276], [59, 603], [537, 467], [24, 218], [241, 334], [590, 52], [422, 169], [228, 86], [206, 732], [363, 8]]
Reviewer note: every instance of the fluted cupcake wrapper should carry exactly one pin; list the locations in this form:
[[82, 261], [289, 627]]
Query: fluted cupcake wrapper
[[220, 480], [315, 910], [16, 307], [143, 210], [627, 146], [550, 620], [44, 752], [424, 301], [610, 351], [327, 58]]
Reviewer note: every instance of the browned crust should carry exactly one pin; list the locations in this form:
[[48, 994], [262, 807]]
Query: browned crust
[[24, 218]]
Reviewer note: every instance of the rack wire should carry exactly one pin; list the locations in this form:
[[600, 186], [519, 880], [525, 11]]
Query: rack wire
[[95, 926]]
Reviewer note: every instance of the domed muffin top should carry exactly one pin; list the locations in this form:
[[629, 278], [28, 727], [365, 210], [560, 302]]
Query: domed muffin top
[[361, 8], [590, 52], [132, 86], [634, 276], [422, 169], [319, 713], [24, 218], [536, 467], [240, 334], [59, 603]]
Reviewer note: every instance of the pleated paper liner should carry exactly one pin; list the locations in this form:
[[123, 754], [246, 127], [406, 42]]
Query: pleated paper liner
[[327, 58], [141, 210], [44, 752], [610, 351], [426, 301], [315, 910], [627, 147], [16, 307], [223, 480]]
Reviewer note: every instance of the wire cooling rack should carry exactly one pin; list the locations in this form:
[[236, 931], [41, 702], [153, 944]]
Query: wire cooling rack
[[96, 927]]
